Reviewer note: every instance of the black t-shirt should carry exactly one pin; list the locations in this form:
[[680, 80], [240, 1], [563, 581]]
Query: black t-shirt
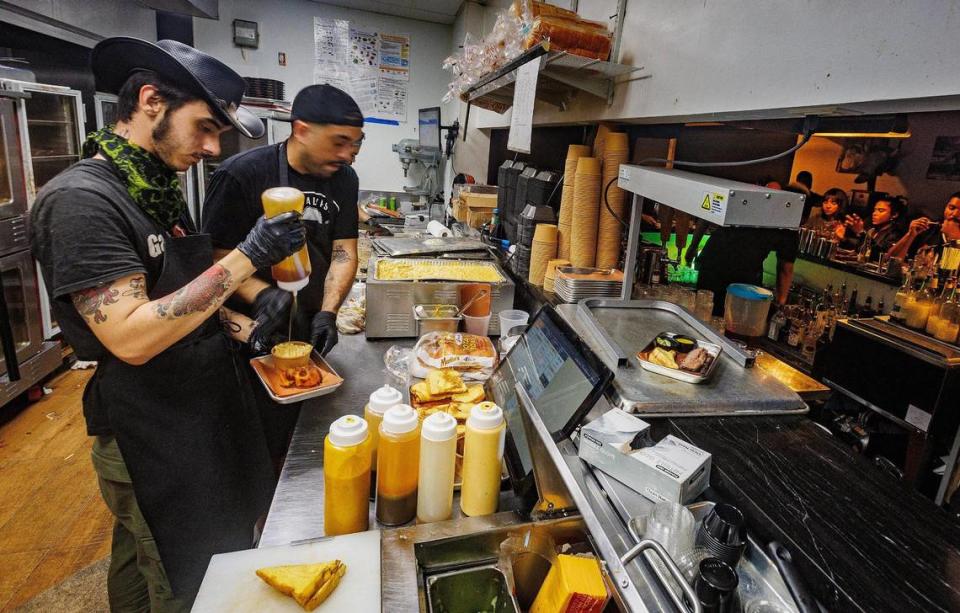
[[233, 206], [736, 255], [86, 231], [931, 237]]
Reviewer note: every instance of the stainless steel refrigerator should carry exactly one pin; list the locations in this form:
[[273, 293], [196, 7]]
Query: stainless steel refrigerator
[[26, 356]]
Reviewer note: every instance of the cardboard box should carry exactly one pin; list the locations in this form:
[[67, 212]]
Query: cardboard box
[[669, 471], [602, 439], [475, 200]]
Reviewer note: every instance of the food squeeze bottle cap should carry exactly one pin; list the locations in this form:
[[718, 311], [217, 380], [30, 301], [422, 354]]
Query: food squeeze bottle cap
[[485, 416], [439, 427], [383, 398], [347, 431], [400, 419]]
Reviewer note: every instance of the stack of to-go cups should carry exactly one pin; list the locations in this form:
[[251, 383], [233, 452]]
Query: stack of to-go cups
[[586, 204], [543, 250], [565, 223], [616, 151], [550, 275]]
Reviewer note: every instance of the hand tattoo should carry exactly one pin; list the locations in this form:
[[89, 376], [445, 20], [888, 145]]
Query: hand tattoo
[[138, 288], [197, 296], [88, 302]]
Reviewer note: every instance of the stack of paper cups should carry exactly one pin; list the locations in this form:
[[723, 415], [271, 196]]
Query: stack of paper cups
[[550, 275], [586, 204], [616, 151], [574, 153], [543, 250]]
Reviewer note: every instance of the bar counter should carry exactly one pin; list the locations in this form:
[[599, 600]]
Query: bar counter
[[863, 542]]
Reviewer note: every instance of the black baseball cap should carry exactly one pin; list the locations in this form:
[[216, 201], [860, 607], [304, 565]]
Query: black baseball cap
[[114, 59], [326, 104]]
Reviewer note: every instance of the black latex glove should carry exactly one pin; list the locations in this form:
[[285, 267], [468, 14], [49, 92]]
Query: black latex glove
[[271, 310], [323, 331], [271, 240], [262, 344]]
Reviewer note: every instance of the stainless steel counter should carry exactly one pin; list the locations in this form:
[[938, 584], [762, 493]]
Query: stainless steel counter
[[296, 512]]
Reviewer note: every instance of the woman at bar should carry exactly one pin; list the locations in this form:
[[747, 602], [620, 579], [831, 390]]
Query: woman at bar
[[885, 231], [827, 219]]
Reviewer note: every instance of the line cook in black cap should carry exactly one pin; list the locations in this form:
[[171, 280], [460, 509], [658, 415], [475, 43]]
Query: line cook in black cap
[[327, 125], [181, 458]]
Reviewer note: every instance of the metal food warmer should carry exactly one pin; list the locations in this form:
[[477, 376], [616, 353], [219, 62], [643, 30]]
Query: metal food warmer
[[548, 385], [391, 301]]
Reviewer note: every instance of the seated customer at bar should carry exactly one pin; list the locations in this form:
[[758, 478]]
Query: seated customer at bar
[[885, 231], [926, 233], [828, 218]]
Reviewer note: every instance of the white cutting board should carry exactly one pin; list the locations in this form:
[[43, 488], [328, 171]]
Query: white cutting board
[[231, 583]]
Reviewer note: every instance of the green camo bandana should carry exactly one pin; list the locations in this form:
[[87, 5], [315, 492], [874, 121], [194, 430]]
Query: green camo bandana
[[153, 185]]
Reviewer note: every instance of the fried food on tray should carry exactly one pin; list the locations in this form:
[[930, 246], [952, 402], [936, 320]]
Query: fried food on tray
[[664, 357], [445, 382], [302, 377], [473, 395], [308, 584]]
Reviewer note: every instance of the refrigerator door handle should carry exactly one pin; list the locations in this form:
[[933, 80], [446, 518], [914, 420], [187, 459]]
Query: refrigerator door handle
[[6, 339]]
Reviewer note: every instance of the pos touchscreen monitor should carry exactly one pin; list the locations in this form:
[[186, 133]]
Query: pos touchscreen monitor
[[428, 128], [562, 377]]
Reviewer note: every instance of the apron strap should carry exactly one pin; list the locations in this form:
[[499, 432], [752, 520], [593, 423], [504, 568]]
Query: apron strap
[[283, 167]]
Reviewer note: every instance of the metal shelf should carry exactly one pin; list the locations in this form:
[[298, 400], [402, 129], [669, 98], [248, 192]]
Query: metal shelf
[[561, 75]]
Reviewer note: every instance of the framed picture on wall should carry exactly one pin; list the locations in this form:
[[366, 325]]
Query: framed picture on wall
[[945, 159]]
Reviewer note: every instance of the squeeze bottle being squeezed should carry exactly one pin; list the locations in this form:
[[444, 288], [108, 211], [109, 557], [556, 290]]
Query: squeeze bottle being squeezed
[[293, 273], [398, 459], [438, 456], [346, 477], [482, 457]]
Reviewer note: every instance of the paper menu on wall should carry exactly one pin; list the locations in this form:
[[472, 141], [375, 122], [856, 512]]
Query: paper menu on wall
[[524, 96], [373, 67]]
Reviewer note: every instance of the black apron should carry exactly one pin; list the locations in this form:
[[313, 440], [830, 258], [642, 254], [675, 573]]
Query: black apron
[[189, 435]]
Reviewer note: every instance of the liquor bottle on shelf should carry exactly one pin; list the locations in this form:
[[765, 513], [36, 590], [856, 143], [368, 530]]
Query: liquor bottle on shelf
[[896, 314], [933, 319], [852, 306], [919, 309], [949, 326], [881, 307], [867, 310], [777, 324]]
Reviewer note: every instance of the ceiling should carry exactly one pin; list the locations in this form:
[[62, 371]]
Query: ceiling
[[436, 11]]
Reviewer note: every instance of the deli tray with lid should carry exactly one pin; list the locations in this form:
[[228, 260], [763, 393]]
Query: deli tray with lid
[[269, 377]]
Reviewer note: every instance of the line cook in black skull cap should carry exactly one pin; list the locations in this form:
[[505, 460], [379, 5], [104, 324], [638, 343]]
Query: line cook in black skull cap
[[327, 125], [179, 453]]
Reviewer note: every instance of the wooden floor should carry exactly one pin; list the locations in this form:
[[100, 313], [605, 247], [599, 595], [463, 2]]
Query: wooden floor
[[52, 520]]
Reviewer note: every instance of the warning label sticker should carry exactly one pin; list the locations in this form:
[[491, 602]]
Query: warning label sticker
[[714, 203]]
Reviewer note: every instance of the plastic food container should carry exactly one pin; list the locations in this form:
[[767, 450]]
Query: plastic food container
[[745, 309], [436, 318], [511, 318]]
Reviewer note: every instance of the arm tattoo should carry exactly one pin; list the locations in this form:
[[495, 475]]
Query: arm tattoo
[[88, 302], [197, 296], [340, 254], [138, 288]]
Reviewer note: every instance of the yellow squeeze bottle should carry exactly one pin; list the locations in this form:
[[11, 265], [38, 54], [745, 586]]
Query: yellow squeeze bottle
[[398, 462], [293, 273], [380, 400], [482, 457], [346, 477]]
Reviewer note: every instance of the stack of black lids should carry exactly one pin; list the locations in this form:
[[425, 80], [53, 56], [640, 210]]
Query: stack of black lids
[[270, 89], [507, 176], [514, 208], [533, 215]]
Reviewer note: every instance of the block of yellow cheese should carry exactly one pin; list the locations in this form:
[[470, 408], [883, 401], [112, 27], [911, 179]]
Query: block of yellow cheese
[[573, 585]]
